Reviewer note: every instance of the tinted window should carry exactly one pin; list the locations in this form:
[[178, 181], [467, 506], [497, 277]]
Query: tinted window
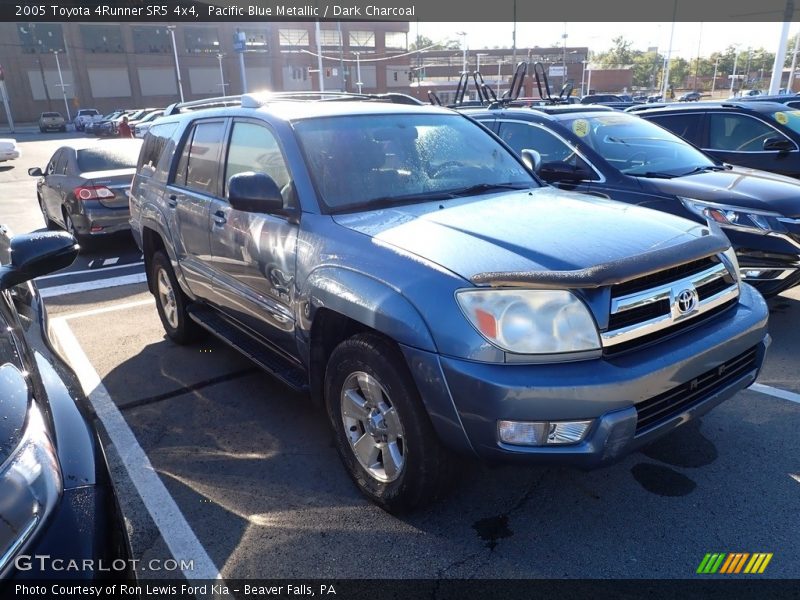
[[359, 161], [199, 162], [156, 154], [788, 118], [737, 133], [793, 104], [51, 166], [63, 161], [687, 126], [550, 147], [254, 148], [107, 158]]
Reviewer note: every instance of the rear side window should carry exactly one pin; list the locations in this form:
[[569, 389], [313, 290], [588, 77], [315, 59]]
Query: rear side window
[[687, 126], [156, 154], [61, 165], [738, 133], [199, 163]]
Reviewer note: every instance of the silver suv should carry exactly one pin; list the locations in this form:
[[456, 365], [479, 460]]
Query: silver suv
[[405, 268]]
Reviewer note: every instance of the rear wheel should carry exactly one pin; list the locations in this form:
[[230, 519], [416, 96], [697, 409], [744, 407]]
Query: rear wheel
[[84, 241], [48, 222], [171, 302], [382, 431]]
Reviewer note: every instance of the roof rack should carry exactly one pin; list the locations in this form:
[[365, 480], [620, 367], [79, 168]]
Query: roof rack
[[257, 100]]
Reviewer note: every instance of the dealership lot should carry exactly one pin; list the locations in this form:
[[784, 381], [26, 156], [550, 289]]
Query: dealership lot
[[259, 491]]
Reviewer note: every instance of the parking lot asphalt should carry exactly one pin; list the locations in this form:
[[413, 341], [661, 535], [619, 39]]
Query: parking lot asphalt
[[260, 492]]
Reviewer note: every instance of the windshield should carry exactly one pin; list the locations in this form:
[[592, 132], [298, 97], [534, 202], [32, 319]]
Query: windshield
[[369, 161], [788, 118], [637, 147], [108, 158]]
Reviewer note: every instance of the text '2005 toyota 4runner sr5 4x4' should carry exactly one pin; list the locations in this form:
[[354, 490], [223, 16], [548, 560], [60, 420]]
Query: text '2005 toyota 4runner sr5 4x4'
[[403, 266]]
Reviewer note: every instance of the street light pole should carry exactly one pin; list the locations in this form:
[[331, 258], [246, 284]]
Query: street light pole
[[222, 83], [62, 86], [358, 71], [463, 35], [794, 63], [714, 80], [564, 58], [583, 75], [735, 62], [319, 58], [171, 29]]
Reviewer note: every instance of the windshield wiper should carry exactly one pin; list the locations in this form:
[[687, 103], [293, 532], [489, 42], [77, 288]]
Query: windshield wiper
[[488, 187], [654, 175], [706, 169]]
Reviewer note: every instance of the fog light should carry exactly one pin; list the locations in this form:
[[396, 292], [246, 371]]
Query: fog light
[[752, 274], [541, 433]]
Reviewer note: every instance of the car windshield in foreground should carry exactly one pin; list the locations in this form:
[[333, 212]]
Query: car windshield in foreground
[[109, 158], [362, 162], [638, 147], [788, 118]]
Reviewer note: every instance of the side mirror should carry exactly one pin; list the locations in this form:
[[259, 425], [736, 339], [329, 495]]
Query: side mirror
[[532, 159], [781, 144], [37, 254], [254, 192], [559, 171], [35, 172]]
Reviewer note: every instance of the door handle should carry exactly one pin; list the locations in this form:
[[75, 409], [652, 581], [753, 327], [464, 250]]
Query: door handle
[[219, 218], [172, 201]]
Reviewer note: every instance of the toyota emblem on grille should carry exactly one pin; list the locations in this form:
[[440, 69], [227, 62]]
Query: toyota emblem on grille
[[686, 301]]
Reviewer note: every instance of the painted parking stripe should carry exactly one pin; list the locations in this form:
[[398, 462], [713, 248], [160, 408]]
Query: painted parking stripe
[[175, 530], [105, 309], [778, 393], [93, 271], [97, 284]]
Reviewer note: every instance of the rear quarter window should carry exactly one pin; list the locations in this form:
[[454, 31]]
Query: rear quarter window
[[157, 151]]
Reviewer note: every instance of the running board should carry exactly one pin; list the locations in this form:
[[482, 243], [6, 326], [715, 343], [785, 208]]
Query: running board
[[234, 336]]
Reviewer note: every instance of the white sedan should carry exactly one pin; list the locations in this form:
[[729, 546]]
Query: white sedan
[[8, 149]]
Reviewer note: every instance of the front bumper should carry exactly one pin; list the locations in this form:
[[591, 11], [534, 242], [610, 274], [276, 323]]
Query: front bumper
[[10, 155], [605, 390]]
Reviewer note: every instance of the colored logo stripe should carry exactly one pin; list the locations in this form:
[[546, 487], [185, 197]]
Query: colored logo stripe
[[734, 563]]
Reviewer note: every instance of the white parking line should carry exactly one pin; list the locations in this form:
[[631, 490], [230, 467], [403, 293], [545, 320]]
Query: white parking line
[[174, 528], [96, 284], [95, 271], [105, 309], [778, 393]]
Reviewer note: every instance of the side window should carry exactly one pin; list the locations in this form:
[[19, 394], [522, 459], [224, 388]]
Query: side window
[[686, 126], [51, 166], [63, 161], [253, 147], [738, 133], [157, 152], [520, 135], [199, 162]]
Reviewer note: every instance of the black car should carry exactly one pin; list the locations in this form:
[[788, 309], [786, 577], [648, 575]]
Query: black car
[[760, 135], [83, 188], [617, 155], [57, 505], [690, 97], [791, 100]]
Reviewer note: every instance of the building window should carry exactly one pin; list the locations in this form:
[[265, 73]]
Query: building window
[[201, 40], [41, 38], [257, 40], [362, 39], [151, 40], [396, 40], [299, 73], [293, 37], [102, 39], [329, 37]]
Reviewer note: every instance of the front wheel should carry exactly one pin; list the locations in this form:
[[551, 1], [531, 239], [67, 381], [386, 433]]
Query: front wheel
[[171, 302], [382, 431]]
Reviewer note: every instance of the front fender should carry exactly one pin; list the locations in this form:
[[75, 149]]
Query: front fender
[[366, 300]]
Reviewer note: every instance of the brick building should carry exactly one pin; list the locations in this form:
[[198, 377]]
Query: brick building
[[108, 66]]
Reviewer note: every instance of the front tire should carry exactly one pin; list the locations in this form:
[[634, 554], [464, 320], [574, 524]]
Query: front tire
[[381, 429], [171, 302]]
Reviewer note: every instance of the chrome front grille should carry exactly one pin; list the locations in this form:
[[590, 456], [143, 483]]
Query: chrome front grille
[[678, 296]]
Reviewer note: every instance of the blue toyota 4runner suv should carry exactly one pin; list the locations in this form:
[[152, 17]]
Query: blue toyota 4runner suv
[[407, 269]]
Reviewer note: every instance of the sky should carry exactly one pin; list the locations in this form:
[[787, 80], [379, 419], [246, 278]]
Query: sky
[[712, 37]]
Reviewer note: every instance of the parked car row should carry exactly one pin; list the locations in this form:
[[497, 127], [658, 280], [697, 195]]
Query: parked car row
[[109, 125]]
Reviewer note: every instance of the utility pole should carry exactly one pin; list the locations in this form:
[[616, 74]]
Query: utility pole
[[564, 58], [319, 58], [62, 86], [794, 63], [665, 83], [171, 29], [358, 71], [222, 83], [342, 78], [714, 80], [733, 77]]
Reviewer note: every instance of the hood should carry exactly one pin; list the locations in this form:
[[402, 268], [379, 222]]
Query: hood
[[738, 186], [540, 230]]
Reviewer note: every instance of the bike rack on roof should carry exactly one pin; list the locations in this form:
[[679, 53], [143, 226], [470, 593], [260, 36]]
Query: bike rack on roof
[[258, 100], [540, 76]]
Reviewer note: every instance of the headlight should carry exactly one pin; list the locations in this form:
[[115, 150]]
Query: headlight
[[531, 321], [737, 217], [30, 485]]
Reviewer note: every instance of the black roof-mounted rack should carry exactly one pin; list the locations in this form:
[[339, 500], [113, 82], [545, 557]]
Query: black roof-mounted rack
[[540, 76], [257, 100]]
